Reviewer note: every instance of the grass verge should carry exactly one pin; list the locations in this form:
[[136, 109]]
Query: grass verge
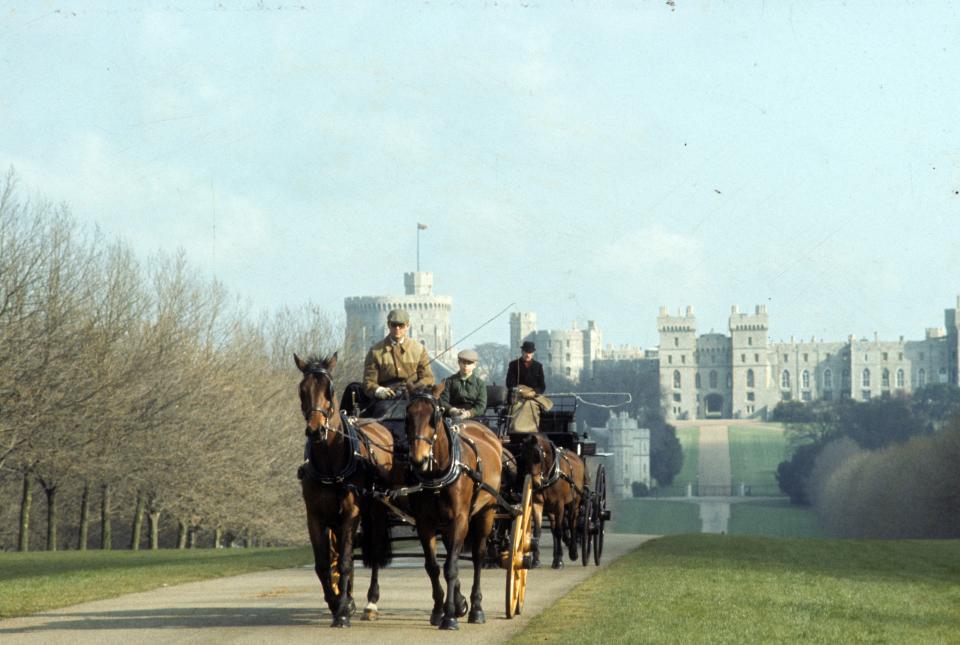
[[727, 589], [774, 518], [755, 453], [32, 582], [655, 517]]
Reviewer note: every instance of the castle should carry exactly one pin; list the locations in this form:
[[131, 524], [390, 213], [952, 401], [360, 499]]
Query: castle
[[429, 319], [744, 375]]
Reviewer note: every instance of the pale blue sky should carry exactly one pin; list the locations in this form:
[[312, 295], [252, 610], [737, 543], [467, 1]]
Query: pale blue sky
[[586, 160]]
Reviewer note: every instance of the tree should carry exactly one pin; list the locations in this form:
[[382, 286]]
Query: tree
[[493, 362]]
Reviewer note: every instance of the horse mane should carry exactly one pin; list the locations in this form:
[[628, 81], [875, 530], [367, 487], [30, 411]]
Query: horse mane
[[318, 361]]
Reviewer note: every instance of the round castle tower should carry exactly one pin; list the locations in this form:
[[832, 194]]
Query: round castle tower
[[429, 316]]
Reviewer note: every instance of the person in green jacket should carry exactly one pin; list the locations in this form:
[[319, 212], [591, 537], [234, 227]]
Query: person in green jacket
[[464, 393]]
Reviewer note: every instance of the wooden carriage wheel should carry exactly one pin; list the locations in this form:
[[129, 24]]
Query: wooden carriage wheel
[[586, 508], [521, 532], [600, 512]]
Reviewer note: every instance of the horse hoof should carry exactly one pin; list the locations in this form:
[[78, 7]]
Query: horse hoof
[[557, 564], [353, 607], [341, 621], [450, 623], [477, 617], [436, 617], [462, 607], [370, 612], [535, 564]]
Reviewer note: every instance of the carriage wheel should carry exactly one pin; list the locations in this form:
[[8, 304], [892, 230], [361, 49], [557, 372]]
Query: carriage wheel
[[521, 531], [586, 508], [601, 512]]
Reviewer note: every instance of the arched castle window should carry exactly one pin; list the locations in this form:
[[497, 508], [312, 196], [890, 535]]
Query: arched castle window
[[828, 379], [921, 377], [885, 378], [865, 378], [696, 380], [805, 380], [750, 378], [846, 376], [713, 379], [900, 378], [676, 378], [785, 380]]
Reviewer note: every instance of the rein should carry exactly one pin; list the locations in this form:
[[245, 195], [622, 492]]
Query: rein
[[556, 473]]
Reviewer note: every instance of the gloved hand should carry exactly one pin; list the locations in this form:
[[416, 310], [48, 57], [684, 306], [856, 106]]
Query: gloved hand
[[384, 393], [466, 414], [455, 412]]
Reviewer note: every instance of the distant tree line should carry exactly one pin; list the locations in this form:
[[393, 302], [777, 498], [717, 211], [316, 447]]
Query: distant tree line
[[140, 403], [879, 468]]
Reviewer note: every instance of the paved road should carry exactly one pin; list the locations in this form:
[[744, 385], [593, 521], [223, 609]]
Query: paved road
[[284, 607]]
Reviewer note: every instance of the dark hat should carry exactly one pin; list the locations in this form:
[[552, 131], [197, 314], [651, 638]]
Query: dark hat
[[398, 316], [528, 346]]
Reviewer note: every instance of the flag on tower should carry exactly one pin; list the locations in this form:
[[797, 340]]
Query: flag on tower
[[421, 227]]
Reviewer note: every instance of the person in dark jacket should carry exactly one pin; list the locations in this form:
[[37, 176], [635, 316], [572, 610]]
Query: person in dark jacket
[[464, 394], [526, 371]]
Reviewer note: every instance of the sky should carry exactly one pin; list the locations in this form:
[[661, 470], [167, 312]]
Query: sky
[[580, 160]]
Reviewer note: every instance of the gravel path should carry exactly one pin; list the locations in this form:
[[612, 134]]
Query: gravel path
[[284, 606]]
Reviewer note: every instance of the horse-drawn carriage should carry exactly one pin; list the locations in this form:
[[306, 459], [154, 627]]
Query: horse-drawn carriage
[[471, 483]]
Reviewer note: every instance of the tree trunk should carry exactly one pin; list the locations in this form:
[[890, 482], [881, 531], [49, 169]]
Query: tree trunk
[[137, 523], [154, 518], [26, 499], [84, 517], [182, 535], [218, 538], [106, 530], [192, 537], [51, 493]]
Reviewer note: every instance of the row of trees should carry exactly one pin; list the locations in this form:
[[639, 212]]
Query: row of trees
[[140, 402], [871, 425]]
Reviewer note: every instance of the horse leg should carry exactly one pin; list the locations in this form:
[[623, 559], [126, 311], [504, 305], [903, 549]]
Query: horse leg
[[429, 543], [556, 529], [345, 604], [453, 541], [370, 612], [537, 528], [320, 542], [482, 525], [574, 533]]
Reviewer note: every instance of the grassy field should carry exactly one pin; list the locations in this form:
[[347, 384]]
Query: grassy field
[[689, 438], [755, 452], [773, 518], [726, 589], [656, 517], [32, 582]]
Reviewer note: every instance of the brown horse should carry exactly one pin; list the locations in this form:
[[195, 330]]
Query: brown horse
[[458, 472], [342, 463], [559, 479]]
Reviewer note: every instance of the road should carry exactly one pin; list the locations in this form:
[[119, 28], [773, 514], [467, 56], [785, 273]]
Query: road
[[284, 606]]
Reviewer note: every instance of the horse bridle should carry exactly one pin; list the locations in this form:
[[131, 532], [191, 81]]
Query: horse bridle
[[437, 424], [317, 372]]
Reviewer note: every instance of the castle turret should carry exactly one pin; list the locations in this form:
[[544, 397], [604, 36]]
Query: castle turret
[[751, 366], [678, 362], [522, 325]]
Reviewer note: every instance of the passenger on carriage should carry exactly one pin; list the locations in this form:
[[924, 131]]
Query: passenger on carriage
[[526, 384], [393, 363], [464, 393]]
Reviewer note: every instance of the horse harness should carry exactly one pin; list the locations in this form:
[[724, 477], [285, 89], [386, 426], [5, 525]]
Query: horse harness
[[556, 473]]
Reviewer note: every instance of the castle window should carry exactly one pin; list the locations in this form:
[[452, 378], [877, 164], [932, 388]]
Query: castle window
[[900, 378], [865, 378], [846, 376], [921, 377], [750, 378], [805, 380], [943, 374], [865, 395], [676, 341], [670, 360], [885, 378], [743, 358], [804, 358], [827, 379], [676, 378], [568, 358], [568, 371], [729, 380], [866, 358], [884, 356], [785, 380], [713, 379], [696, 379], [756, 358], [683, 358], [785, 395], [827, 356], [806, 395], [750, 396], [750, 340], [549, 358], [568, 343], [676, 397], [786, 358], [921, 356], [900, 356]]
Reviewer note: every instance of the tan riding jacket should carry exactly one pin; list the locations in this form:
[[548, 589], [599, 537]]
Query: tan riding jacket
[[387, 362]]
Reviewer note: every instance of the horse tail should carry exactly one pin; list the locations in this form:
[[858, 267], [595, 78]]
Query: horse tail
[[375, 538]]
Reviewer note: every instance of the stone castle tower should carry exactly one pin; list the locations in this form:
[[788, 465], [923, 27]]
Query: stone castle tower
[[678, 368]]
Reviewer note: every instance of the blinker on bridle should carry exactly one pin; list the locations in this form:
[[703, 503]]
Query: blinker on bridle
[[437, 421], [317, 372]]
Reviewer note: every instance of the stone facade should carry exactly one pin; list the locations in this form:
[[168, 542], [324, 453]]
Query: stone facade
[[629, 446], [744, 375], [429, 318], [569, 353]]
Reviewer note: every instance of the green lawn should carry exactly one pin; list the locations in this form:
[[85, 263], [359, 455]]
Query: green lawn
[[689, 438], [652, 516], [755, 452], [727, 589], [32, 582], [773, 518]]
